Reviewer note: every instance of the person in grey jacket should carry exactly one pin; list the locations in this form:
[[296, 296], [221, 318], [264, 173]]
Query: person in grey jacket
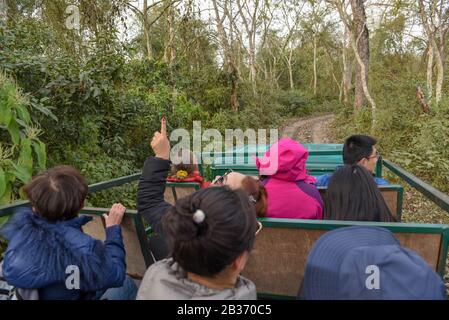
[[209, 235]]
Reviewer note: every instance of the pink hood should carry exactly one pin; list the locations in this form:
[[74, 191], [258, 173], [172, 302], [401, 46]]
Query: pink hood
[[290, 163]]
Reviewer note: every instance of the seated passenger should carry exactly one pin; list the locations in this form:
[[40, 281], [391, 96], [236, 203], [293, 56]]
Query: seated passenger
[[209, 235], [367, 263], [357, 149], [291, 193], [46, 240], [352, 195], [187, 171], [255, 190]]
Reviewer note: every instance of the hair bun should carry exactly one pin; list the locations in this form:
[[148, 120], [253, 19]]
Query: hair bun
[[199, 216]]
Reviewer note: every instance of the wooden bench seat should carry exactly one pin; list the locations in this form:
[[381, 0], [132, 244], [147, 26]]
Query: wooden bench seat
[[277, 263], [393, 195]]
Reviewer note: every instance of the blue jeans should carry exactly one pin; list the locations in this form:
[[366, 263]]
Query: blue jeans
[[126, 292]]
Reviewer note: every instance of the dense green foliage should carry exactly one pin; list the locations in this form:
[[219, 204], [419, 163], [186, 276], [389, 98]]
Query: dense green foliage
[[106, 99], [21, 151], [97, 98]]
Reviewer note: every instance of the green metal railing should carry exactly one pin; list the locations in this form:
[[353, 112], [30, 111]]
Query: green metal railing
[[6, 210], [433, 194], [439, 198]]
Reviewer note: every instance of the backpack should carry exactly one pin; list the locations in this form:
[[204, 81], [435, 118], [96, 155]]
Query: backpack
[[9, 292]]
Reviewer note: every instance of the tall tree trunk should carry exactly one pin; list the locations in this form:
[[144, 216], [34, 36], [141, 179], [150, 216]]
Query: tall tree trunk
[[362, 41], [432, 33], [430, 54], [274, 74], [234, 89], [347, 77], [148, 45], [347, 70], [290, 68], [272, 63], [250, 24], [314, 66], [364, 72], [359, 37], [270, 73], [252, 63], [229, 55], [440, 67], [170, 49], [341, 93], [147, 32]]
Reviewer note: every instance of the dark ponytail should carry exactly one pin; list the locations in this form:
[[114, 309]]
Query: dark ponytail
[[207, 247]]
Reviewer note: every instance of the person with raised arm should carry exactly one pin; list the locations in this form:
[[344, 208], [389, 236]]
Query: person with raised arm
[[203, 241]]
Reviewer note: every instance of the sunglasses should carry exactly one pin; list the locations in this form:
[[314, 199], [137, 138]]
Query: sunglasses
[[221, 179], [377, 156]]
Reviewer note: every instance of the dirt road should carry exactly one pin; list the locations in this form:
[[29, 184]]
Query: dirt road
[[309, 130]]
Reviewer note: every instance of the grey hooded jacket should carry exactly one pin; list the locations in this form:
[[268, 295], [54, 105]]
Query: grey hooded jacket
[[166, 280]]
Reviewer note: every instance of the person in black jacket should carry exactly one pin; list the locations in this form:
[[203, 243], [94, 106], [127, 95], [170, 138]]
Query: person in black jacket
[[150, 194]]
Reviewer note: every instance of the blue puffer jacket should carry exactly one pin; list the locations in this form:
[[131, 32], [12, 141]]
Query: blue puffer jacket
[[40, 251], [323, 180]]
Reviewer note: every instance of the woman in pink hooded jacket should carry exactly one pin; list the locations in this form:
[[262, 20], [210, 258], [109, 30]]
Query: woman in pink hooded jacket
[[290, 191]]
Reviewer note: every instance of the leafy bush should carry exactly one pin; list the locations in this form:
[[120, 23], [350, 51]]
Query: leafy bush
[[294, 103], [428, 156], [21, 151], [419, 142]]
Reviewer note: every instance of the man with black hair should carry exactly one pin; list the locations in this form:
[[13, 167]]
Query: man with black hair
[[361, 150]]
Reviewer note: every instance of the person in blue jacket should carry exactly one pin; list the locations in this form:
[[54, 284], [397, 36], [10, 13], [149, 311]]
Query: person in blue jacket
[[48, 251], [361, 150]]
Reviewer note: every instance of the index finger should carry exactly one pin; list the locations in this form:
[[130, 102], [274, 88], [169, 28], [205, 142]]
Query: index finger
[[163, 126]]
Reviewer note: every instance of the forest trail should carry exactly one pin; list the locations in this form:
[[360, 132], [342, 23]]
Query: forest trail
[[309, 130]]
